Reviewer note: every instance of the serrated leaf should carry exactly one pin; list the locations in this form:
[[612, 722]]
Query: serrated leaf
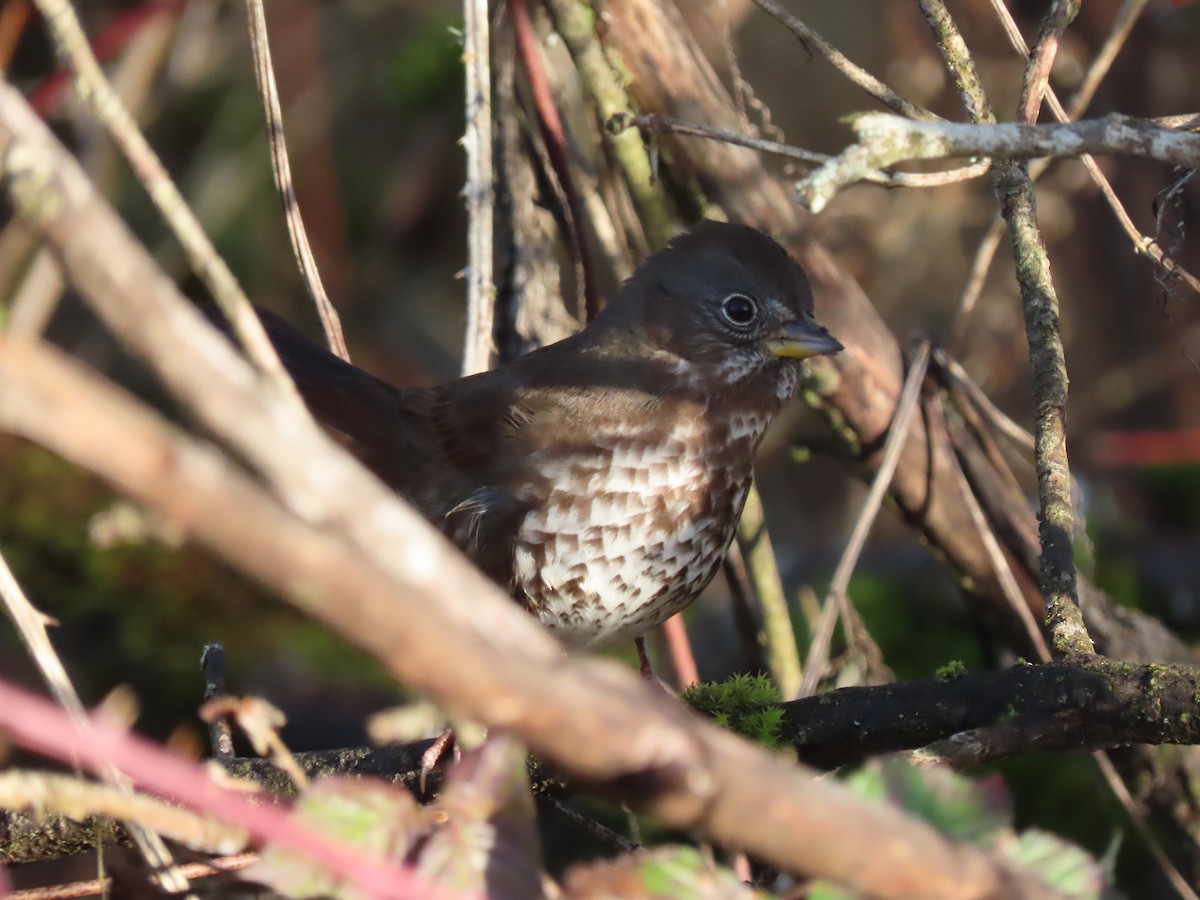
[[488, 844], [369, 814]]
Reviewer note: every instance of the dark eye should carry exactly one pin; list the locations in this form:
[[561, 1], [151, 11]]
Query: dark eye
[[738, 310]]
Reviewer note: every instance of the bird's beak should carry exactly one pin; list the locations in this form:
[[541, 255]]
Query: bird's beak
[[802, 339]]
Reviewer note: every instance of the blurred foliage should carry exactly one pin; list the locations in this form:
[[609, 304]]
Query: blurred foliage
[[978, 811], [140, 614], [1173, 493], [919, 624], [479, 836]]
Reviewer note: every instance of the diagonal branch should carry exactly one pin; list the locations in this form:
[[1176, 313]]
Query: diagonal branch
[[885, 139]]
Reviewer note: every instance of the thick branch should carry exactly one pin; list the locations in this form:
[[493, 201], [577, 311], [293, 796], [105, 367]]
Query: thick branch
[[1058, 707]]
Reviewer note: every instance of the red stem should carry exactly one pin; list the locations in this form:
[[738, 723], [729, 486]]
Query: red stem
[[39, 725]]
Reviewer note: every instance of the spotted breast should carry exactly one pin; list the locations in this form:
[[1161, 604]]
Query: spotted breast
[[635, 521]]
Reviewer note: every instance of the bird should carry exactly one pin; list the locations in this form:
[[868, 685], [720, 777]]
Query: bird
[[598, 479]]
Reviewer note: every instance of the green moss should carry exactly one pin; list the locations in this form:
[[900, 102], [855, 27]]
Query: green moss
[[952, 670], [746, 704]]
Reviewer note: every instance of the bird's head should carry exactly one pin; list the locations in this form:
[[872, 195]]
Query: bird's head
[[724, 297]]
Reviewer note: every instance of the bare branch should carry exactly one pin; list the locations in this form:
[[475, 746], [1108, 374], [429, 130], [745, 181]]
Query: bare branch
[[281, 169], [885, 140], [906, 406], [664, 125]]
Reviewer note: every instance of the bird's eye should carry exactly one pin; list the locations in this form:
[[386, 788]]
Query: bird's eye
[[738, 310]]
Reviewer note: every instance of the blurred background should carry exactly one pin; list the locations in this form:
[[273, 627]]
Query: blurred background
[[372, 102]]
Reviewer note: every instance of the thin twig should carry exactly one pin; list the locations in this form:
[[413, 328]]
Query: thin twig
[[480, 346], [1117, 785], [906, 406], [101, 886], [1123, 23], [281, 169], [976, 278], [859, 76], [95, 91], [1041, 61], [885, 139], [212, 661], [595, 829], [1142, 244], [660, 124], [986, 251], [778, 636], [1004, 573], [996, 417]]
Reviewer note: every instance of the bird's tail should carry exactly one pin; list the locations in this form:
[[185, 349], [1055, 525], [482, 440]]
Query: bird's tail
[[339, 394]]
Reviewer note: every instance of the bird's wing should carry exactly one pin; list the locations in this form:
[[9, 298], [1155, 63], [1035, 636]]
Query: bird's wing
[[505, 431], [440, 448]]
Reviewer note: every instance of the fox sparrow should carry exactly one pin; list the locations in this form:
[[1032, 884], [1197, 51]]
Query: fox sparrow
[[600, 478]]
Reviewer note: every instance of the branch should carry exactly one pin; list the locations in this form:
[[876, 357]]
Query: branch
[[664, 125], [281, 170], [814, 43], [885, 139], [480, 344], [1055, 707]]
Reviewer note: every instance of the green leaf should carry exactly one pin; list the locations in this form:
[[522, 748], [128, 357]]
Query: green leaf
[[369, 814], [1061, 864]]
